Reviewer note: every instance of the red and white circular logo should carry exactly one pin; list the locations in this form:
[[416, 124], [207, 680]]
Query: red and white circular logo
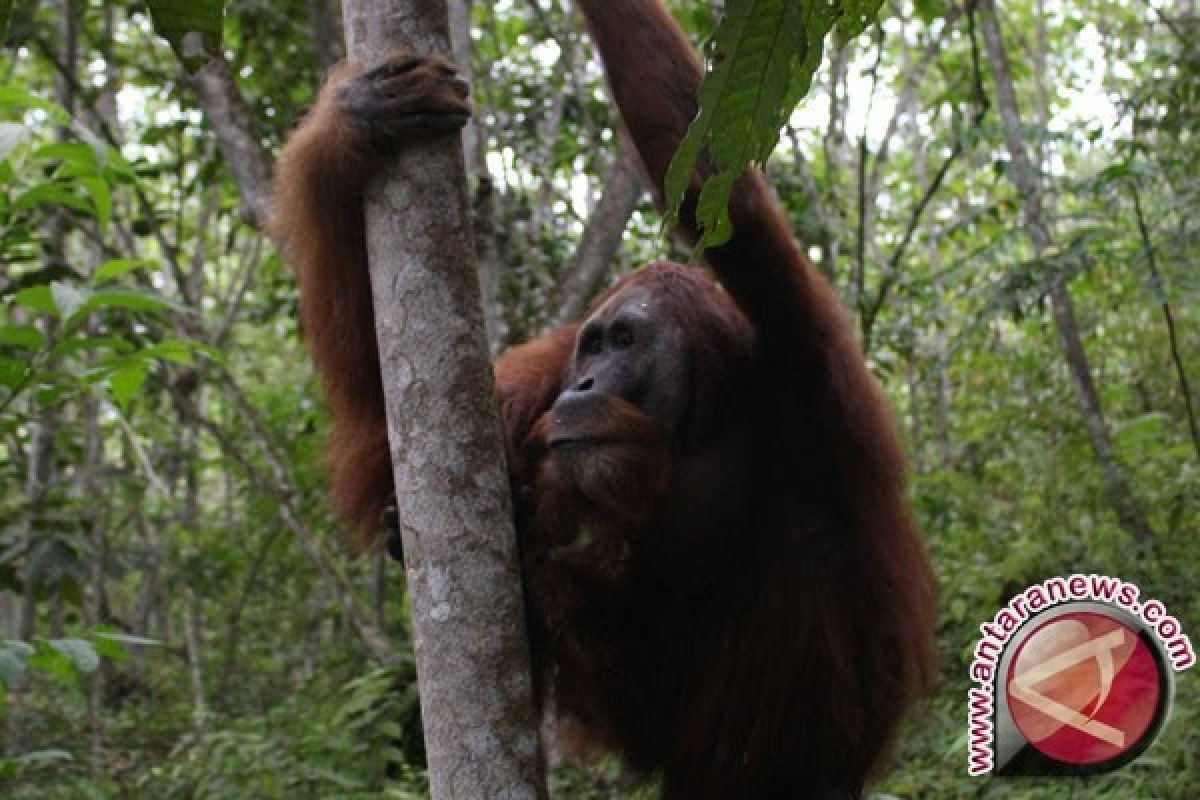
[[1084, 688]]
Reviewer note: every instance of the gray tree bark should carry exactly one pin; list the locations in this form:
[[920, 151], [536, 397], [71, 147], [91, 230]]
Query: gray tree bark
[[95, 605], [833, 147], [1028, 182], [1156, 280], [483, 199], [325, 19], [192, 638], [245, 156], [451, 488], [459, 19], [940, 385]]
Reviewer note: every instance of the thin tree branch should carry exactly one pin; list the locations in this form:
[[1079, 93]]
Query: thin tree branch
[[1169, 317], [241, 146], [601, 240], [233, 304], [912, 79], [375, 640], [891, 274]]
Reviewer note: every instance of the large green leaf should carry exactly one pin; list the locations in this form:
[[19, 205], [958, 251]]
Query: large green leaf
[[193, 27], [129, 299], [12, 372], [36, 298], [12, 97], [117, 267], [126, 383], [855, 17], [26, 336], [763, 59]]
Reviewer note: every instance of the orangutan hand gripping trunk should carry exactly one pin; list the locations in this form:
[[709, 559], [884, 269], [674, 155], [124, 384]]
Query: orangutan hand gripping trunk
[[724, 583]]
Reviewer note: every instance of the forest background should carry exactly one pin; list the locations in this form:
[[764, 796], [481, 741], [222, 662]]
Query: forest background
[[1006, 197]]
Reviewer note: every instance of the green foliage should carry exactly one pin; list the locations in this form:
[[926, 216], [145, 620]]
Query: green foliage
[[764, 53], [929, 10], [65, 312], [63, 660], [855, 17], [182, 22], [352, 744]]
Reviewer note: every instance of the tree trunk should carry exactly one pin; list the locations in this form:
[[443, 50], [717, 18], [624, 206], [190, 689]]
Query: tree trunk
[[940, 384], [917, 429], [39, 472], [601, 240], [237, 137], [483, 200], [833, 146], [192, 638], [43, 424], [1160, 289], [379, 587], [145, 607], [1027, 180], [459, 20], [481, 734], [325, 20], [87, 486]]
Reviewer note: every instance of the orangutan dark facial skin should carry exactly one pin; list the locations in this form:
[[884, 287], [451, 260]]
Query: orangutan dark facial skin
[[723, 582], [630, 350]]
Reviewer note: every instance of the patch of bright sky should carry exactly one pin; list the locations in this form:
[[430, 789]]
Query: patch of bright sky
[[135, 108], [503, 164], [1084, 100], [1083, 103]]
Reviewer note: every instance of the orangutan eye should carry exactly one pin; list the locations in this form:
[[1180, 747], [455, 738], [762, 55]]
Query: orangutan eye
[[621, 337], [592, 344]]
